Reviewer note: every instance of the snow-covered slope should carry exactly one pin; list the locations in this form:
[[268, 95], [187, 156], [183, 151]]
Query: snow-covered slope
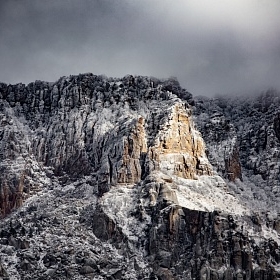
[[105, 178]]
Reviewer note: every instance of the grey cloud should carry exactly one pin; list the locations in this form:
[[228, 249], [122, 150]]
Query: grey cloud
[[212, 47]]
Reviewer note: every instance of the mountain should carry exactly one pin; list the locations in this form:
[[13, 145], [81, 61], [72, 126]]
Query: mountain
[[134, 178]]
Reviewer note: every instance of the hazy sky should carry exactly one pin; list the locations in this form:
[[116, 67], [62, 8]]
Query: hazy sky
[[211, 46]]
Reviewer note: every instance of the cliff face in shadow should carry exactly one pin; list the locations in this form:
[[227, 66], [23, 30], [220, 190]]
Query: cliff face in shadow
[[106, 178]]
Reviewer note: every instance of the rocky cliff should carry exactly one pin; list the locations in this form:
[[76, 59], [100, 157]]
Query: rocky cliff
[[132, 178]]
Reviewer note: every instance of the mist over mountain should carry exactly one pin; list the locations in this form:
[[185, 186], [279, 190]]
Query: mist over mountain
[[134, 178], [213, 47]]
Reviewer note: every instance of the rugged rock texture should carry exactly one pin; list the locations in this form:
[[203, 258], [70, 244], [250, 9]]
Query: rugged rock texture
[[249, 142], [105, 178], [180, 149], [88, 124], [221, 137]]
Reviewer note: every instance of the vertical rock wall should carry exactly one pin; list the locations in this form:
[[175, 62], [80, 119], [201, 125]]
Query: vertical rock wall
[[82, 125], [179, 149]]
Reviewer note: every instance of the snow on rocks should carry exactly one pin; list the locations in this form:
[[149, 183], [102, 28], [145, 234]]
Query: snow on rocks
[[113, 180]]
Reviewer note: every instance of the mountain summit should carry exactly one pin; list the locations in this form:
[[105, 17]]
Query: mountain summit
[[134, 178]]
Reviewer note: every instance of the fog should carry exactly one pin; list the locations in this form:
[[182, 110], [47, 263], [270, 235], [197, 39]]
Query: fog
[[212, 47]]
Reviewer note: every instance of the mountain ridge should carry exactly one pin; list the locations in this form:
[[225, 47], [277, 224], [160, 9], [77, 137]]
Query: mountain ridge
[[134, 178]]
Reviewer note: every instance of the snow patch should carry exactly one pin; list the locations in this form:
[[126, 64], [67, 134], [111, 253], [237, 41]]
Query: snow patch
[[207, 193]]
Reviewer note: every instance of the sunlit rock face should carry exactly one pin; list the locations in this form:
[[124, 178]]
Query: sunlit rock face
[[128, 168], [132, 178], [179, 148]]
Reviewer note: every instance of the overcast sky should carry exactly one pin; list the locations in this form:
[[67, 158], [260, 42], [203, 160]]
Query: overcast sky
[[211, 46]]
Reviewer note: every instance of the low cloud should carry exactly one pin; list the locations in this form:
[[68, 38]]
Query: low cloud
[[213, 47]]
